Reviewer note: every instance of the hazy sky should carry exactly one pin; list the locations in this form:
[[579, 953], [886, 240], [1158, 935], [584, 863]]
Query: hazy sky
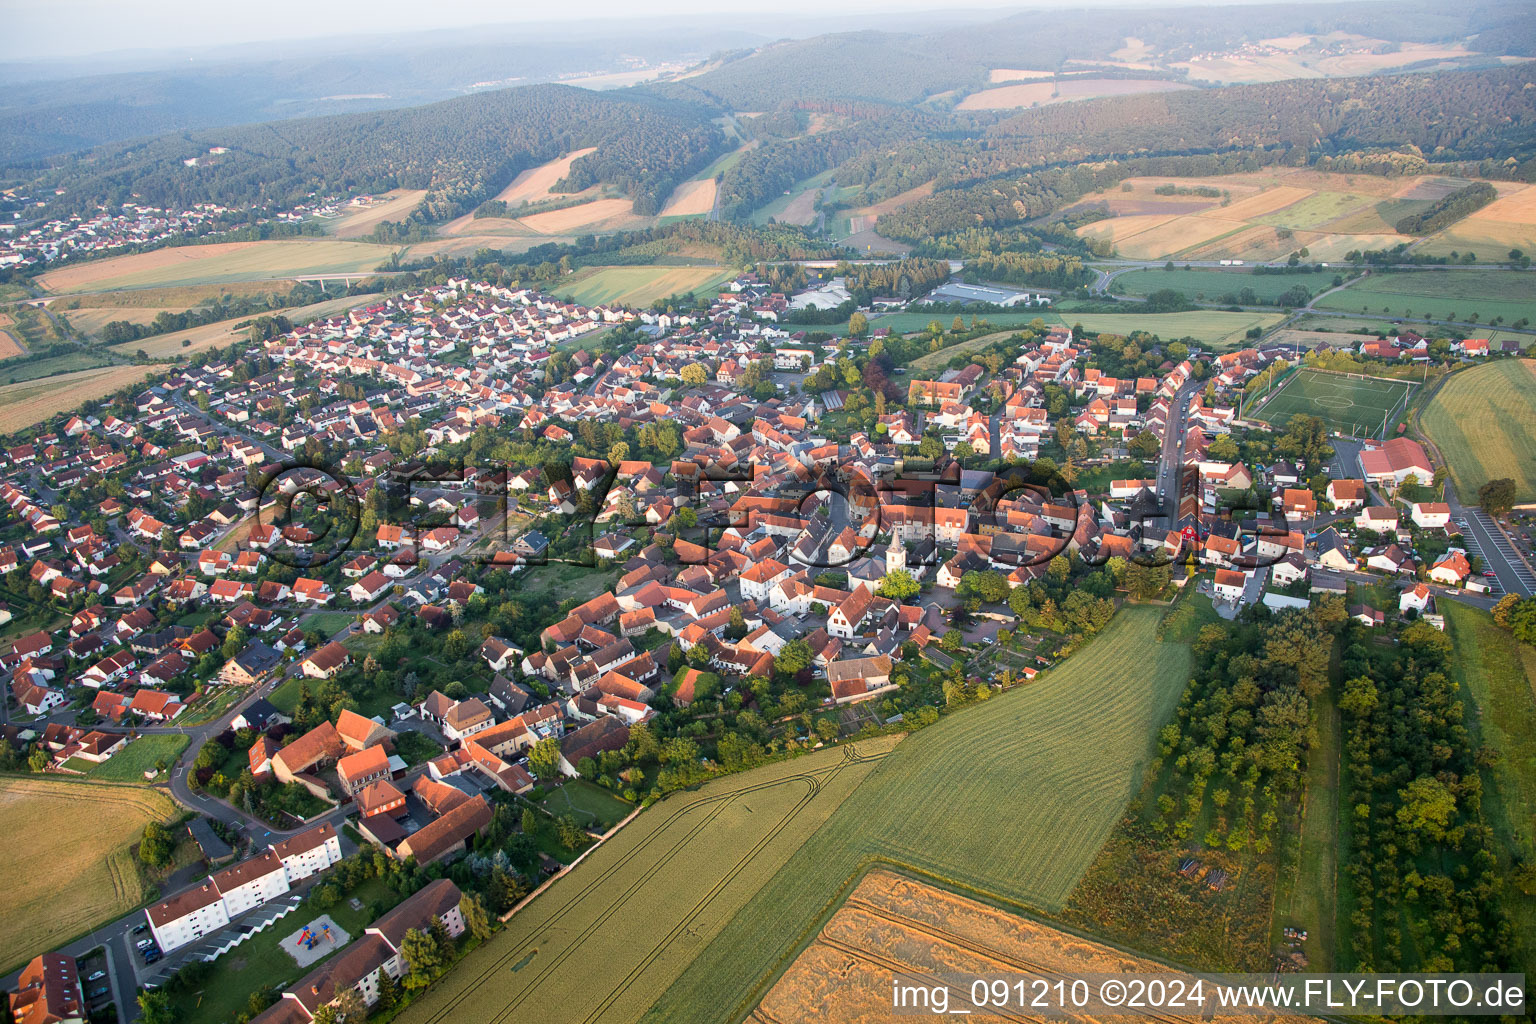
[[42, 29]]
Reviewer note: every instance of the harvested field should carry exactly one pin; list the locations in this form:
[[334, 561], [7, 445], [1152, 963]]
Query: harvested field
[[895, 926], [89, 322], [1265, 202], [646, 901], [1012, 798], [10, 345], [29, 402], [1016, 74], [1117, 230], [1312, 339], [894, 203], [640, 286], [690, 199], [1066, 89], [64, 879], [534, 184], [1508, 222], [466, 245], [223, 261], [1175, 236], [599, 215], [1483, 420], [358, 221]]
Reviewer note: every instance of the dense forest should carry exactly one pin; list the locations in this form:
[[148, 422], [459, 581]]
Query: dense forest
[[461, 150]]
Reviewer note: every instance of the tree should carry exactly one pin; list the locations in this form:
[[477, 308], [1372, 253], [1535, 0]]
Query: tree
[[156, 1007], [1497, 497], [793, 657], [349, 1006], [897, 585], [544, 758], [157, 845], [1427, 806], [1224, 449], [1145, 581], [425, 959], [476, 921], [858, 325], [694, 374], [1145, 445], [570, 834]]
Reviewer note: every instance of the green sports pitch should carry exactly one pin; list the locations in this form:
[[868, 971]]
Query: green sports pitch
[[1349, 403]]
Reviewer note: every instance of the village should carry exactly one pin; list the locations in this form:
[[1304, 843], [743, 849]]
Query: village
[[408, 577]]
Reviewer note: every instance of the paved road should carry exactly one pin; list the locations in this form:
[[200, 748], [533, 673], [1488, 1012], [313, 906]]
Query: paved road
[[1170, 462], [1487, 540]]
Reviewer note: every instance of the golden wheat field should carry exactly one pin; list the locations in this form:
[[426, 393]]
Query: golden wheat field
[[67, 860], [892, 926]]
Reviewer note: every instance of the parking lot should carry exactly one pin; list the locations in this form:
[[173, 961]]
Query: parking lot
[[1484, 539]]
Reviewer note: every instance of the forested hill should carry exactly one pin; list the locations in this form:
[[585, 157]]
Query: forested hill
[[463, 150], [906, 68], [1470, 116]]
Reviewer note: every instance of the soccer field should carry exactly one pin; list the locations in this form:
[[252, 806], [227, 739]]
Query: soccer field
[[1348, 403]]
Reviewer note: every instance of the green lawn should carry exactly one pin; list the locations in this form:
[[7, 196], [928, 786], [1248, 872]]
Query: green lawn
[[140, 756], [591, 805], [329, 623], [1439, 294]]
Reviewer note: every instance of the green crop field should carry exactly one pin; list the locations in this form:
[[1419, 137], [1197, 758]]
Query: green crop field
[[1349, 405], [1212, 327], [1012, 799], [1438, 294], [1207, 285], [1483, 420], [216, 263], [1314, 211], [640, 286], [644, 903]]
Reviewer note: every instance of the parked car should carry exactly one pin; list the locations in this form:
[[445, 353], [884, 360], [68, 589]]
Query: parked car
[[97, 993], [97, 976], [141, 929], [1490, 573], [144, 943], [150, 956]]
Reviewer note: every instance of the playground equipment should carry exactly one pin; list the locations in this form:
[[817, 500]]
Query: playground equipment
[[308, 937]]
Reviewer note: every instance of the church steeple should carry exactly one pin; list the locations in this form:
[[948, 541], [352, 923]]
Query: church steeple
[[895, 555]]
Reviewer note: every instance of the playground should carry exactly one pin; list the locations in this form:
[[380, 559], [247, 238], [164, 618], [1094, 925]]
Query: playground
[[316, 940]]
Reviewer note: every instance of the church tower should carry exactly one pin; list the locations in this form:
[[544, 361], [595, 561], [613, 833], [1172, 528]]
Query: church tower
[[895, 555]]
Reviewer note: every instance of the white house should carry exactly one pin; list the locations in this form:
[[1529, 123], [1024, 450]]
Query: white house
[[1430, 515]]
